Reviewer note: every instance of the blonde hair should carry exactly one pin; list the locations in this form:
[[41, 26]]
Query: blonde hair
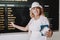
[[41, 13]]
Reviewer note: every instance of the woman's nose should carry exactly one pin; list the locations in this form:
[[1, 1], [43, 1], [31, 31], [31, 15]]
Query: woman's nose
[[35, 8]]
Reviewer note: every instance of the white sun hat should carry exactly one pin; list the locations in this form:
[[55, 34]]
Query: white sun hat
[[35, 4]]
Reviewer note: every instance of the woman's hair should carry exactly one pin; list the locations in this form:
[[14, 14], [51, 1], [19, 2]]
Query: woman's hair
[[41, 13]]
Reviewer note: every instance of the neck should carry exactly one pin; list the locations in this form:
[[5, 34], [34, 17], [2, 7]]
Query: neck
[[36, 17]]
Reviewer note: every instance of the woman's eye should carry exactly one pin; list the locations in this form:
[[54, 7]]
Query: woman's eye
[[37, 7], [33, 8]]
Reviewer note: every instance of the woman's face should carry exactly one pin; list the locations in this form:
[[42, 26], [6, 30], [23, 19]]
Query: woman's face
[[36, 11]]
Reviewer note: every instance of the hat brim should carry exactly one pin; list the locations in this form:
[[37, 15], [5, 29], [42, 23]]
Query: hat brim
[[35, 6]]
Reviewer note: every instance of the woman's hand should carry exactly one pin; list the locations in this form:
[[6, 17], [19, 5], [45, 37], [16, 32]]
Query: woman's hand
[[49, 33], [12, 24]]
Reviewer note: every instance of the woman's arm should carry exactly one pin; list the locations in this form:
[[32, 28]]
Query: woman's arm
[[19, 27], [50, 32]]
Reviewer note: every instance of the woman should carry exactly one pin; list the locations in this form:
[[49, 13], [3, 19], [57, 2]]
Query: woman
[[37, 19]]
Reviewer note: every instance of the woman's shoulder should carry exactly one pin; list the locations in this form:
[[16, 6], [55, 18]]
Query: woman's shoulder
[[44, 20], [43, 17], [31, 19]]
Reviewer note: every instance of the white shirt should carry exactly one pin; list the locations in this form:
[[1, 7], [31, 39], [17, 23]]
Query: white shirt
[[34, 26]]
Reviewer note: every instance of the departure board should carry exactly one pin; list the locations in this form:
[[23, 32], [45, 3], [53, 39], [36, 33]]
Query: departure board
[[11, 18], [2, 18]]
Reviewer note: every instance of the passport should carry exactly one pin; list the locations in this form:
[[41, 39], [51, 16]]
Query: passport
[[44, 29]]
